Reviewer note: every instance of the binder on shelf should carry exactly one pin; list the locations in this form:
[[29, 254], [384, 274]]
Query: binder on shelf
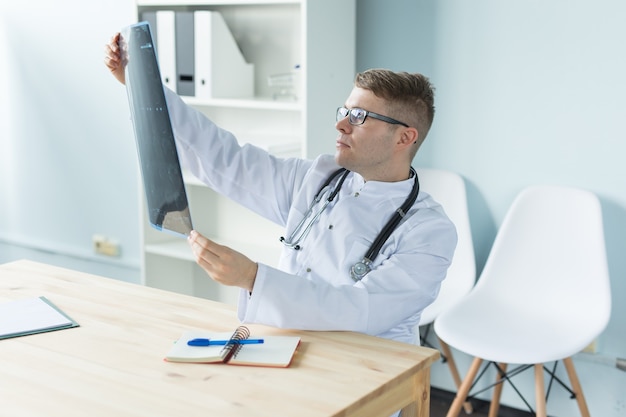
[[221, 70], [184, 41], [165, 41]]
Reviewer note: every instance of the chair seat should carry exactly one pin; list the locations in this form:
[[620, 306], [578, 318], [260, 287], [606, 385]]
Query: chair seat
[[504, 330]]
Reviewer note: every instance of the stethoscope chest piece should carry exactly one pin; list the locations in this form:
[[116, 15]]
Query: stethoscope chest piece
[[360, 269]]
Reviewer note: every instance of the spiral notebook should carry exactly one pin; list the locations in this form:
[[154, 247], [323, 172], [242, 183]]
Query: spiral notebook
[[275, 351]]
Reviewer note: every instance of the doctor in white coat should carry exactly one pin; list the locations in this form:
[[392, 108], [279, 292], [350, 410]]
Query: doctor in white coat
[[329, 276]]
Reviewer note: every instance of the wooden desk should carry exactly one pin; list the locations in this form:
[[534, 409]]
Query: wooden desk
[[113, 364]]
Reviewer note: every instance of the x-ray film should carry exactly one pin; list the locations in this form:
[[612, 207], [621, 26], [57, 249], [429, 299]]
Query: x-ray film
[[166, 198]]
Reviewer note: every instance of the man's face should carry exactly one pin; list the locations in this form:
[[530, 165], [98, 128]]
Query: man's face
[[367, 148]]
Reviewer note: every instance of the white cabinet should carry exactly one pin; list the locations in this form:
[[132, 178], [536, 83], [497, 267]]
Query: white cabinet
[[310, 43]]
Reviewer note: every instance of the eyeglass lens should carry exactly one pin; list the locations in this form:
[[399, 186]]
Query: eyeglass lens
[[356, 115]]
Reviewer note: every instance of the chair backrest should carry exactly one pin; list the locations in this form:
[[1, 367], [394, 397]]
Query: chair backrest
[[549, 254], [448, 189]]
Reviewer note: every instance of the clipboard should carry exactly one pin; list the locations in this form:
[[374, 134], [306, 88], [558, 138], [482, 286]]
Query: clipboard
[[30, 316]]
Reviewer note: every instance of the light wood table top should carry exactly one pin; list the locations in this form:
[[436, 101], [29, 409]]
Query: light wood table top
[[112, 365]]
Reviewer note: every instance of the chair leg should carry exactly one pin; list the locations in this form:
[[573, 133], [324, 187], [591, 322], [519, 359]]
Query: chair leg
[[578, 391], [467, 406], [540, 391], [494, 407], [463, 390]]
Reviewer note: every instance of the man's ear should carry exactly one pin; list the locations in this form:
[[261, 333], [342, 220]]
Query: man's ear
[[409, 136]]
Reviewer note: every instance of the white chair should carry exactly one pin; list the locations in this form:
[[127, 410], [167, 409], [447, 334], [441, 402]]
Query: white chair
[[448, 189], [543, 295]]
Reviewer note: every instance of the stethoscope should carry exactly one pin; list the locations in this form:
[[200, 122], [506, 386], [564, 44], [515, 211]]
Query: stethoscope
[[364, 266]]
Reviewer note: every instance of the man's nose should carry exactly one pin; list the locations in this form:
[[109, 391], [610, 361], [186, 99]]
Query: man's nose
[[343, 125]]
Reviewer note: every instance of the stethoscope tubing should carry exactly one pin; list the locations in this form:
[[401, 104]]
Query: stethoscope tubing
[[363, 267], [393, 222], [298, 234]]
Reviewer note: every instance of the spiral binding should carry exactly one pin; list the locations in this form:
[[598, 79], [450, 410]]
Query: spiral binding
[[233, 347]]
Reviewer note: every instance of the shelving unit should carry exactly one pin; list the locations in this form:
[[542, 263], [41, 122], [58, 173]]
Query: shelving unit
[[315, 41]]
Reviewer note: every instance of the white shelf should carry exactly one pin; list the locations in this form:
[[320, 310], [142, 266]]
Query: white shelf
[[252, 103], [179, 249], [163, 3], [190, 179], [275, 36]]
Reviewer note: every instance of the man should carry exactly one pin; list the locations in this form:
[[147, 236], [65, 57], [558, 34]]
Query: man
[[329, 276]]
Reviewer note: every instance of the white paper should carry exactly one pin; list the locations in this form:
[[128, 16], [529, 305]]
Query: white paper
[[30, 315]]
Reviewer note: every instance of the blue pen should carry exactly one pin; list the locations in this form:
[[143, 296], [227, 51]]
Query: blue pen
[[208, 342]]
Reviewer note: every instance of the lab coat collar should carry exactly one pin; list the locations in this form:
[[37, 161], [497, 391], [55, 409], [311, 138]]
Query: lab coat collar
[[401, 187]]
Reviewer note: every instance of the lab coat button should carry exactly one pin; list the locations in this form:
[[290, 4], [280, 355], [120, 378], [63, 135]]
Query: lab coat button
[[308, 270]]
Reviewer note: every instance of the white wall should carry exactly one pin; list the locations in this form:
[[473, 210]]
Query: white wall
[[533, 92], [527, 92], [67, 159]]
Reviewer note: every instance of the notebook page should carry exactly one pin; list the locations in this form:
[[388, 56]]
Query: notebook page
[[274, 351], [182, 352]]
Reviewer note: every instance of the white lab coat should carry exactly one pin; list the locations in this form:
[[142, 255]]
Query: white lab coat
[[312, 289]]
